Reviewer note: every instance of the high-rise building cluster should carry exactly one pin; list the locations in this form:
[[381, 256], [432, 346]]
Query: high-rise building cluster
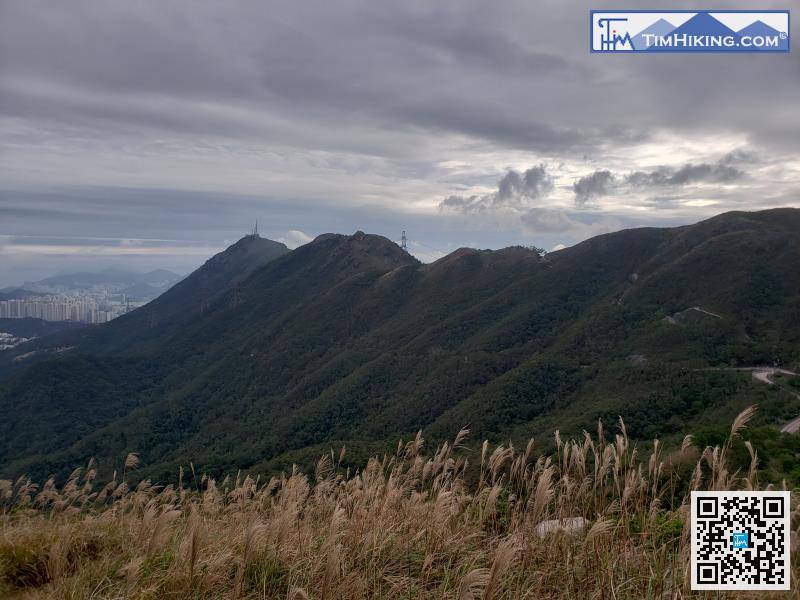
[[61, 308]]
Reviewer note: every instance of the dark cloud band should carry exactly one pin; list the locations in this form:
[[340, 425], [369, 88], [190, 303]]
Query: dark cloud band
[[514, 190]]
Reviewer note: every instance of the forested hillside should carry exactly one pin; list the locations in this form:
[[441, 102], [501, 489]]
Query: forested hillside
[[265, 356], [30, 327]]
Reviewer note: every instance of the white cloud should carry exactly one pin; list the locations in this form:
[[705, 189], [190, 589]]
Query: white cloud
[[294, 238]]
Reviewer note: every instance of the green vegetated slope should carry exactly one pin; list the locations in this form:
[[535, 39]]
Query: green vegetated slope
[[350, 340], [30, 327]]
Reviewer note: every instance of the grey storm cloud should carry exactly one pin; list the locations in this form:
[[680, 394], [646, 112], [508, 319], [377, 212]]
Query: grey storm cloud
[[124, 64], [603, 182], [190, 118], [593, 186], [514, 190], [685, 175], [503, 75], [740, 156]]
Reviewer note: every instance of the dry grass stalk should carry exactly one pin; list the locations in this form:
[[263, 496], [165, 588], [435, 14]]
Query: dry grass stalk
[[612, 525]]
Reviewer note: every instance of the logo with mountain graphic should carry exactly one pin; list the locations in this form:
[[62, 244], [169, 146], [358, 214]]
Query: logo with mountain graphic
[[689, 31]]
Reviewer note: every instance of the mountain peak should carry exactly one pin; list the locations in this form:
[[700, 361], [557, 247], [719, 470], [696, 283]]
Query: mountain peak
[[363, 250], [245, 255], [346, 338], [220, 273], [256, 240]]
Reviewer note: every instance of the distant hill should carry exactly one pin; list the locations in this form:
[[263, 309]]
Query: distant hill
[[137, 287], [141, 291], [265, 356], [195, 294], [15, 294], [158, 278]]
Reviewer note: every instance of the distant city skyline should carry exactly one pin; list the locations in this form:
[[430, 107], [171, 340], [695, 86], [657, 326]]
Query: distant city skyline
[[62, 308], [88, 297], [152, 135]]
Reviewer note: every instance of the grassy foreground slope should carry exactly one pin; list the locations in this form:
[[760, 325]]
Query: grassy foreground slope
[[598, 518], [348, 339]]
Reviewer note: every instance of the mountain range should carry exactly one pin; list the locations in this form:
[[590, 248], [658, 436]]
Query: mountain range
[[12, 293], [134, 285], [264, 356], [159, 277]]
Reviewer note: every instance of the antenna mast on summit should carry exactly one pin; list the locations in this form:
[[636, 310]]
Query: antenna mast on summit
[[255, 230], [404, 241]]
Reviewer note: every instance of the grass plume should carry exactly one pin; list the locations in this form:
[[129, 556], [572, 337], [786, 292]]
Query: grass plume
[[599, 518]]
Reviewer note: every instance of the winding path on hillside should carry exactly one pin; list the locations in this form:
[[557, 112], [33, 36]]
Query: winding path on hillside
[[764, 375], [792, 426]]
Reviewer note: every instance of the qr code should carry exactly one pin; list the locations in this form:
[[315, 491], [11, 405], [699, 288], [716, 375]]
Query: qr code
[[740, 540]]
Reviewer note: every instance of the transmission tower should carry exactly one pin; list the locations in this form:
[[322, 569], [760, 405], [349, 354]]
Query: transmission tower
[[404, 241]]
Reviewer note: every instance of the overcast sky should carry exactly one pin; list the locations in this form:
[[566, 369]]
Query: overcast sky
[[151, 134]]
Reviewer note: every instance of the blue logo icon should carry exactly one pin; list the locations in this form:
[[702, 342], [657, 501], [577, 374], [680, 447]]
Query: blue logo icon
[[689, 31], [740, 539], [609, 38]]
